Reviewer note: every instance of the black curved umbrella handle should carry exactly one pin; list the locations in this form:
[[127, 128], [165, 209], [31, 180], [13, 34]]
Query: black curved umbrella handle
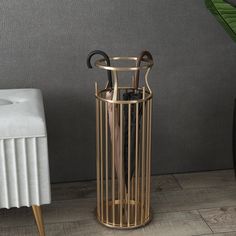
[[138, 63], [99, 52]]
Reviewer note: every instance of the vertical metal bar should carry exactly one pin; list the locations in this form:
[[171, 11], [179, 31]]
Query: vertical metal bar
[[136, 162], [139, 177], [150, 139], [101, 159], [98, 158], [150, 155], [143, 157], [113, 164], [115, 92], [121, 165], [129, 169], [132, 191], [146, 80], [147, 162], [106, 138]]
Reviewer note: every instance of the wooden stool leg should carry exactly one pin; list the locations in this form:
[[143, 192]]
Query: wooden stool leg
[[39, 219]]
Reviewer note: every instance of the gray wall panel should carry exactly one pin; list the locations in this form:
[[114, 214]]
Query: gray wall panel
[[44, 44]]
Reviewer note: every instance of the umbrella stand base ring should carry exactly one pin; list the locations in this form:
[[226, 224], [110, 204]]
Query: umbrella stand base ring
[[108, 222]]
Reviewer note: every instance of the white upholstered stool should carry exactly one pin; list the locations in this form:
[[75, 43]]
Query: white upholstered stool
[[24, 170]]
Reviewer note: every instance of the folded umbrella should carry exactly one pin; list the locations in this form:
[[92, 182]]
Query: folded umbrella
[[112, 113], [135, 94]]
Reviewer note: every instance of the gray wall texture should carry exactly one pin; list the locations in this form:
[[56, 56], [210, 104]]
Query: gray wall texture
[[44, 44]]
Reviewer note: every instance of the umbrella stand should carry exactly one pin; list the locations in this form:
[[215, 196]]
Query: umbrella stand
[[123, 146]]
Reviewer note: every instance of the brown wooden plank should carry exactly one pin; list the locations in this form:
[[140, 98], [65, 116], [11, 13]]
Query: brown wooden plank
[[220, 219], [192, 199], [206, 179], [168, 200], [180, 223], [77, 190], [164, 201], [164, 183], [60, 211], [218, 234], [177, 223], [50, 230], [166, 224]]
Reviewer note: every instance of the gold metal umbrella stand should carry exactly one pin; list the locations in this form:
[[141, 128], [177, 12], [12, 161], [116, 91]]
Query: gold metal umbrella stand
[[123, 177]]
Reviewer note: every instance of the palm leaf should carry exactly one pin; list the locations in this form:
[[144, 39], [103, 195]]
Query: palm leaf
[[225, 14]]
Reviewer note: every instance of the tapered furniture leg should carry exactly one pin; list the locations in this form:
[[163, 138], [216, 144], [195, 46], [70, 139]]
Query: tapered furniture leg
[[39, 219]]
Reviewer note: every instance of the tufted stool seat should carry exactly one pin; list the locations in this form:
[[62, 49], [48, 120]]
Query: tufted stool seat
[[24, 169]]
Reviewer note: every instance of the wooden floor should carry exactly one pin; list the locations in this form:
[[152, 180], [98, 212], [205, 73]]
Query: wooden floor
[[183, 204]]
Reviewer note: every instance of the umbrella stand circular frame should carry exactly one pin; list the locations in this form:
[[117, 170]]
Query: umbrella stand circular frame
[[123, 147]]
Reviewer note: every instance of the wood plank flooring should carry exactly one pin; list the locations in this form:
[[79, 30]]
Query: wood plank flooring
[[202, 203]]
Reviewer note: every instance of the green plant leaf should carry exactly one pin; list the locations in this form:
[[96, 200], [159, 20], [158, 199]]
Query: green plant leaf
[[225, 14]]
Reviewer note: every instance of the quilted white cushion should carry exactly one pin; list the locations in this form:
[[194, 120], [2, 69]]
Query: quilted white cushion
[[24, 169], [21, 113]]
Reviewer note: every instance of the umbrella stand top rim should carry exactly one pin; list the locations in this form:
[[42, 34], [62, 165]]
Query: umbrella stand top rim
[[101, 64], [124, 101], [148, 96]]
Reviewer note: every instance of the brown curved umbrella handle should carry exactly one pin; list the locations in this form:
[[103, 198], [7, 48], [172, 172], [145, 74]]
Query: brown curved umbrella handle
[[138, 63]]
